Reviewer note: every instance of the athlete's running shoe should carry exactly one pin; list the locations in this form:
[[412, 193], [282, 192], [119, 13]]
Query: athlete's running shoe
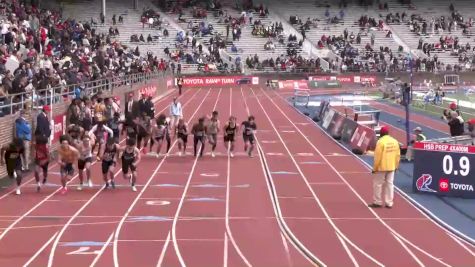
[[17, 191], [89, 183], [134, 188], [64, 190]]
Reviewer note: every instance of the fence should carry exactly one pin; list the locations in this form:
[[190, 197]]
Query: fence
[[60, 97], [55, 95]]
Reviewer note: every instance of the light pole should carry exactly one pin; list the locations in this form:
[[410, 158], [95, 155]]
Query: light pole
[[408, 94]]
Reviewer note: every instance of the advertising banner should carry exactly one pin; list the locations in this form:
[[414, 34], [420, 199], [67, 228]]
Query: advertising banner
[[219, 81], [292, 85], [336, 125], [364, 138], [324, 84], [349, 128], [345, 79], [58, 126], [148, 90], [444, 169]]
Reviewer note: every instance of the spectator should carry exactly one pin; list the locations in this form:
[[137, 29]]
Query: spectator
[[23, 133], [386, 162], [420, 137], [43, 126], [456, 124], [471, 130], [176, 111]]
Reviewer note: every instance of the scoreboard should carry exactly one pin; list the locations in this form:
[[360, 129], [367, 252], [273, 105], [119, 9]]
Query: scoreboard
[[444, 169]]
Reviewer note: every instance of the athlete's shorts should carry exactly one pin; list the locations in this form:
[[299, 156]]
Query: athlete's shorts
[[106, 165], [67, 169], [213, 138], [43, 165], [183, 137], [248, 138], [229, 137], [13, 166], [82, 162], [158, 138], [126, 165]]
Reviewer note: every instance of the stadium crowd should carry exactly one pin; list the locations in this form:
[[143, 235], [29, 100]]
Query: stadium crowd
[[40, 49]]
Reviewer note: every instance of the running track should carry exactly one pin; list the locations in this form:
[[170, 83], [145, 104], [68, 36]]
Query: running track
[[300, 202]]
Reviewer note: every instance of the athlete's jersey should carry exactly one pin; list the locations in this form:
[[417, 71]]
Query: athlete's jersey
[[109, 153]]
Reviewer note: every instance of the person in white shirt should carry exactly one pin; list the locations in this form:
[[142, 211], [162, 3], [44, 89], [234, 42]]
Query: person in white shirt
[[176, 112]]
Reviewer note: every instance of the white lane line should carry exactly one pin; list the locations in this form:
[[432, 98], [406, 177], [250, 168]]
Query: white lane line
[[39, 251], [414, 257], [391, 230], [129, 210], [101, 251], [285, 229], [420, 208], [348, 251], [228, 201], [26, 183], [71, 219], [317, 199], [287, 251], [225, 256], [182, 200], [11, 226], [164, 250]]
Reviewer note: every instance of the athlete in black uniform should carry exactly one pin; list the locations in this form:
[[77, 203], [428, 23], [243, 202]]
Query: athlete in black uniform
[[199, 135], [143, 133], [230, 130], [181, 132], [249, 127], [109, 159], [11, 155], [130, 158]]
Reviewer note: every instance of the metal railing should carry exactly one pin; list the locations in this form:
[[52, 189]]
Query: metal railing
[[11, 103]]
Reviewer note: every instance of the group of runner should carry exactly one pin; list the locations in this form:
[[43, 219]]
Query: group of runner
[[77, 146]]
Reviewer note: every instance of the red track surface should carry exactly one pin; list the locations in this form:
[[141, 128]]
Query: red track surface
[[299, 202]]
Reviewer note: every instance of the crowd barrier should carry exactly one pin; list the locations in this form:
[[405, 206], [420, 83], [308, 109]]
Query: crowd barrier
[[359, 137]]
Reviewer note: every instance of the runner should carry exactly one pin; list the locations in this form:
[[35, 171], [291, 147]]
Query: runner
[[11, 155], [130, 156], [109, 161], [249, 128], [199, 135], [75, 133], [99, 131], [159, 133], [143, 132], [212, 130], [85, 160], [67, 155], [42, 158], [181, 132], [230, 130], [115, 125]]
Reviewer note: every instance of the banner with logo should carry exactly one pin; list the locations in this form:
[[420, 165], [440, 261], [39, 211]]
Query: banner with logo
[[345, 79], [364, 138], [444, 169], [324, 84], [148, 90], [58, 127], [349, 128], [292, 85], [219, 81]]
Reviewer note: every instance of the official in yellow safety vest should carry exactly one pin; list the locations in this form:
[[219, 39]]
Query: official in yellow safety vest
[[386, 161]]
